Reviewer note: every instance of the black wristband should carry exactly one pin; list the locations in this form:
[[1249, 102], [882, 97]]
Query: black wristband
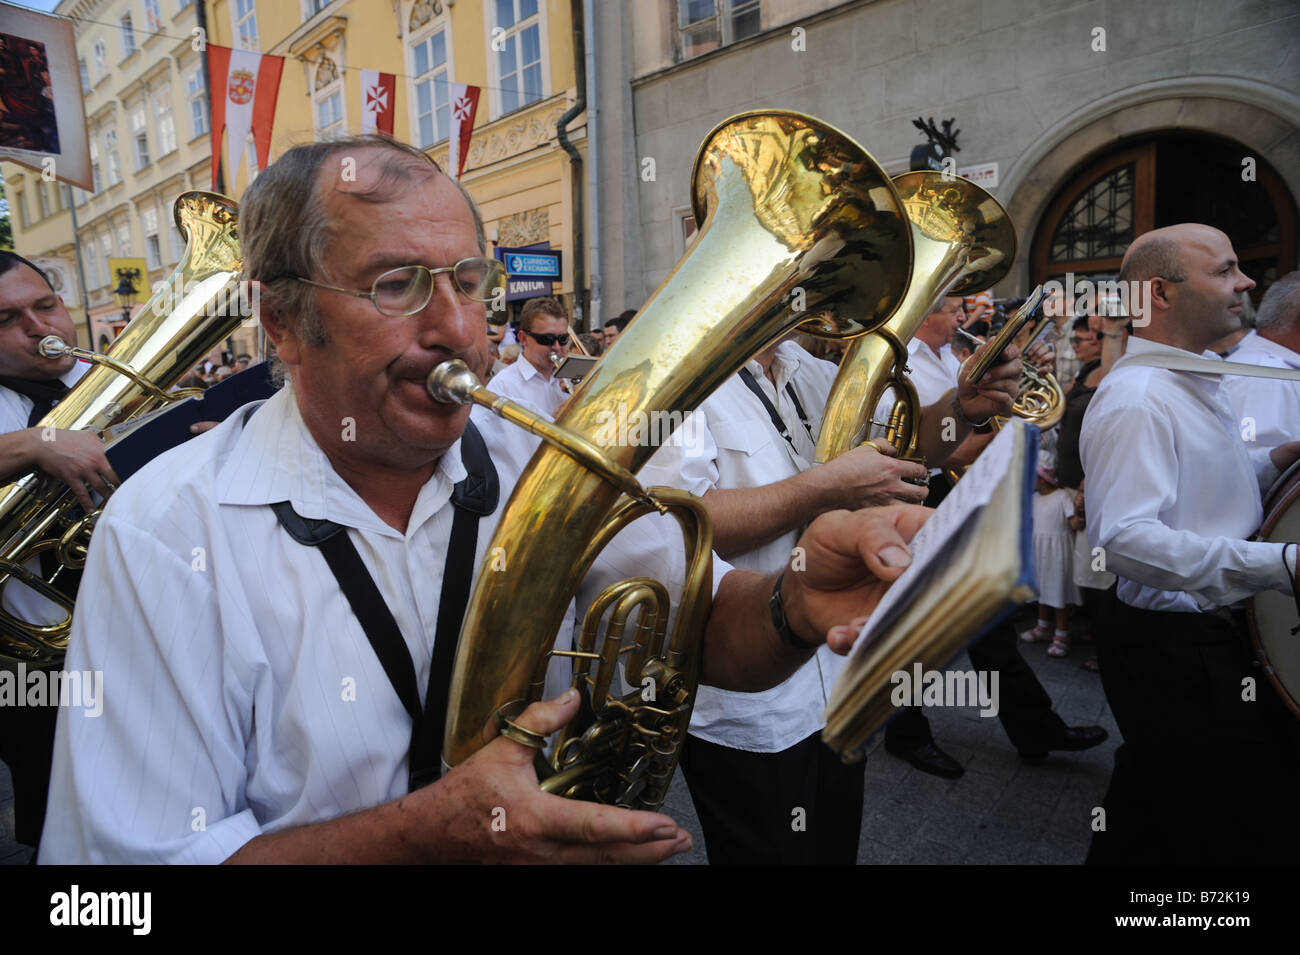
[[788, 636]]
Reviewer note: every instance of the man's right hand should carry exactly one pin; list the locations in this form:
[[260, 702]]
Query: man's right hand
[[77, 459], [490, 809], [867, 477]]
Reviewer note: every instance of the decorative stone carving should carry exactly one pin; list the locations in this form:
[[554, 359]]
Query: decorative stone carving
[[422, 11], [524, 228], [326, 72], [513, 138]]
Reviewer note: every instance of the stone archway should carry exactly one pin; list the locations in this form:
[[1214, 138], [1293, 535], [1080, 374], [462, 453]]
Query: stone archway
[[1263, 118]]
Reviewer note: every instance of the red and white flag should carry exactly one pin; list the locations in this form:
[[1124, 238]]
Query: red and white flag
[[464, 104], [244, 87], [378, 91]]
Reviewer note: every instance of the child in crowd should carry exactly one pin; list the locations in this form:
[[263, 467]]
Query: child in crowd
[[1053, 564]]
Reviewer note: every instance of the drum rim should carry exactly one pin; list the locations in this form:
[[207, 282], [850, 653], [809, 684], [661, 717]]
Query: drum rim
[[1277, 502]]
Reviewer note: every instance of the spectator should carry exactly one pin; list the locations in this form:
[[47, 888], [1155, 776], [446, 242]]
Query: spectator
[[1053, 564], [544, 331], [614, 327]]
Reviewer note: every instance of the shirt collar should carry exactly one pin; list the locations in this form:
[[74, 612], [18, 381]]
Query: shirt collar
[[528, 370], [1141, 346], [1258, 343], [275, 458]]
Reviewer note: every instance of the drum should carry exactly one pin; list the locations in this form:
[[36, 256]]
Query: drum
[[1273, 615]]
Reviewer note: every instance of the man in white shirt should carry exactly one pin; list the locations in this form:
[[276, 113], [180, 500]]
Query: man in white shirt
[[1207, 770], [246, 717], [30, 385], [1268, 409], [754, 759], [1026, 709], [544, 334]]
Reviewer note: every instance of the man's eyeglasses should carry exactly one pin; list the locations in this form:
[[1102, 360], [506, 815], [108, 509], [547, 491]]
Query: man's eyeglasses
[[546, 341], [407, 289]]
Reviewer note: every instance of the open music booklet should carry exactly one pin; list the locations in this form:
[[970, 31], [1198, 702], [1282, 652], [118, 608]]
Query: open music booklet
[[972, 564]]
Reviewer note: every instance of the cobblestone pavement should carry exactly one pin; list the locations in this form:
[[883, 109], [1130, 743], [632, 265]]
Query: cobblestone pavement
[[1002, 811]]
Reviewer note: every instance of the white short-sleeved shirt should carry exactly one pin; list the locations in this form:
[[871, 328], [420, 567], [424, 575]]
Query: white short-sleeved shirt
[[1172, 491], [520, 381], [239, 690], [730, 443], [19, 600], [1267, 409]]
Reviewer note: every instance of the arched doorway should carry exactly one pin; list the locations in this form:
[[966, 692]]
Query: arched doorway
[[1162, 180]]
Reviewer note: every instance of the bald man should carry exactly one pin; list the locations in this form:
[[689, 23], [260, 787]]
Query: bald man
[[1207, 771]]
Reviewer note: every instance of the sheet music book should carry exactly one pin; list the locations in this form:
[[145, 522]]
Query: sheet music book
[[135, 443], [972, 564]]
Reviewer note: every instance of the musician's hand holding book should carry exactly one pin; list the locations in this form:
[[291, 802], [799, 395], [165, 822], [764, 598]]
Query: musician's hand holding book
[[848, 561]]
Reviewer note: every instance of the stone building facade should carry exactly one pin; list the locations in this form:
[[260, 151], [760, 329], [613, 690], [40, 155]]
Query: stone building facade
[[1104, 118]]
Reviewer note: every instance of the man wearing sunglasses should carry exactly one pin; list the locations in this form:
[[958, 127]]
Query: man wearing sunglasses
[[266, 601], [544, 335]]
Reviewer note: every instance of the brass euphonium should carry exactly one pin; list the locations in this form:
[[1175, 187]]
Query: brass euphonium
[[962, 242], [170, 334], [792, 213]]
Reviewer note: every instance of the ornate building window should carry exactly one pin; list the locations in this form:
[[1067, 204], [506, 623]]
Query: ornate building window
[[1100, 221], [430, 64], [518, 54], [328, 99], [1121, 194], [705, 25], [244, 13]]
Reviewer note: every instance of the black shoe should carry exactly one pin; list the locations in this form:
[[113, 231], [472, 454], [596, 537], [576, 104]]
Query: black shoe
[[928, 758], [1071, 740]]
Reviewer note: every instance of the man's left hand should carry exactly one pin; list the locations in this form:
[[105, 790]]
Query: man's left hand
[[851, 558], [996, 391], [1285, 455]]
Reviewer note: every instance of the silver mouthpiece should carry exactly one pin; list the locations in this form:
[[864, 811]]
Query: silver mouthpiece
[[52, 346], [452, 383]]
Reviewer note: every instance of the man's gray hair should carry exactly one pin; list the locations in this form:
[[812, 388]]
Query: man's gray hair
[[1279, 312], [285, 230]]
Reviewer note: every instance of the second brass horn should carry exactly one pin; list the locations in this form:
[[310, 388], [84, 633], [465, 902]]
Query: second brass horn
[[962, 242], [785, 203], [171, 333]]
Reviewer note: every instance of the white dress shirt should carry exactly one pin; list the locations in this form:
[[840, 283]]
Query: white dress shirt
[[1172, 492], [730, 443], [521, 381], [1267, 409], [19, 599], [241, 695], [15, 408]]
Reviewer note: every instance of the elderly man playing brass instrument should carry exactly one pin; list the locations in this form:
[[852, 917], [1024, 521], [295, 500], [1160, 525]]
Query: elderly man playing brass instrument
[[246, 719]]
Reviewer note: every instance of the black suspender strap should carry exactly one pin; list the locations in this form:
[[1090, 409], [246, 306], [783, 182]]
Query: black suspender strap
[[777, 422], [472, 498]]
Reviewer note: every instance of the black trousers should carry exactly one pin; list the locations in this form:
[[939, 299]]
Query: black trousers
[[1024, 708], [27, 748], [749, 803], [1206, 774]]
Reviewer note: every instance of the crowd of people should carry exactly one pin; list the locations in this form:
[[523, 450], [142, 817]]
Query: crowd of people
[[284, 701]]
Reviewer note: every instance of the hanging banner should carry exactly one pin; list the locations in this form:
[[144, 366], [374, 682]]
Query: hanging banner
[[244, 88], [378, 93], [464, 104]]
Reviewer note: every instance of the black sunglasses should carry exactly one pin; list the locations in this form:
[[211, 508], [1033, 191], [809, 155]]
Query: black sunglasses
[[548, 340]]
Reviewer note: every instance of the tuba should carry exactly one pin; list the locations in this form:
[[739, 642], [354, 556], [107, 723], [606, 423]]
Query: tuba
[[170, 334], [963, 242], [793, 213]]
